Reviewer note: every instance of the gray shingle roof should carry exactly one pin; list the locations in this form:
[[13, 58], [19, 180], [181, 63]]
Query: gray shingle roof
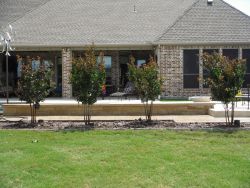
[[11, 10], [54, 23], [104, 22], [219, 23]]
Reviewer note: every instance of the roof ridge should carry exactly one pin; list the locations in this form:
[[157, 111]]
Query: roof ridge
[[177, 20], [235, 9], [30, 11]]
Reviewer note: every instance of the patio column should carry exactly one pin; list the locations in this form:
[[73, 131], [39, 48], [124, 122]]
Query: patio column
[[201, 69], [240, 53], [115, 69], [66, 69]]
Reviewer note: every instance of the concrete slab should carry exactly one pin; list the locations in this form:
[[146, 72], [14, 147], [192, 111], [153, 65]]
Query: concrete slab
[[240, 111]]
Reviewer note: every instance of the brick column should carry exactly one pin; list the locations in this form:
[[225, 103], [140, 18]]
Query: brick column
[[170, 59], [220, 51], [240, 53], [66, 69]]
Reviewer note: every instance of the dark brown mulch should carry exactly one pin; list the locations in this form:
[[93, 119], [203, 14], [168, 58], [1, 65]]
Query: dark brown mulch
[[114, 125]]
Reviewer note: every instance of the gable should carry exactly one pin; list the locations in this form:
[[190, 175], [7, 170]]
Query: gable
[[203, 24]]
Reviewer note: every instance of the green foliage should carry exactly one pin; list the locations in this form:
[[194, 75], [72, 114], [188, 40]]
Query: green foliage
[[34, 85], [147, 83], [225, 79], [87, 79]]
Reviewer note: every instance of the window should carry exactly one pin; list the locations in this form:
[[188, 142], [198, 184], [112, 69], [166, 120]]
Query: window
[[205, 73], [141, 62], [231, 53], [191, 68], [246, 55]]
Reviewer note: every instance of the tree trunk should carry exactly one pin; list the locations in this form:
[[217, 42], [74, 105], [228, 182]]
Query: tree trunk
[[31, 113], [150, 111], [227, 114], [232, 113]]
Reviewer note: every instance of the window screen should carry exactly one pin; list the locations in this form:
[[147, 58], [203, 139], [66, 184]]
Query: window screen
[[191, 68], [246, 55], [231, 53]]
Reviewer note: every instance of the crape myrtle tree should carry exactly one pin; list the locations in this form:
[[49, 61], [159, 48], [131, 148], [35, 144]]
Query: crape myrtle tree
[[87, 78], [225, 79], [34, 85], [147, 82]]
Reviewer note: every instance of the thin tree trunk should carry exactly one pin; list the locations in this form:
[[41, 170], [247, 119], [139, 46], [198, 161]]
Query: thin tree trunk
[[227, 114], [151, 110], [232, 113], [31, 114], [84, 114], [145, 109], [35, 115], [90, 112]]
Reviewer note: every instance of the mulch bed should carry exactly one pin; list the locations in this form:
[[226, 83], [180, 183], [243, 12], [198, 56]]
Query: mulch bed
[[118, 125]]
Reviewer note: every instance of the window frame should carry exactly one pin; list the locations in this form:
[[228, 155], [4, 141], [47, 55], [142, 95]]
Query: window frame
[[247, 65], [193, 74]]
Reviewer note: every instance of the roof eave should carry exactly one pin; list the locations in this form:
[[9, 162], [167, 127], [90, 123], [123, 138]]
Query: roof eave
[[143, 46], [200, 43]]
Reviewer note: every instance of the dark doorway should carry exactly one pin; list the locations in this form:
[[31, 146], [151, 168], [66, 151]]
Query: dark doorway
[[12, 64]]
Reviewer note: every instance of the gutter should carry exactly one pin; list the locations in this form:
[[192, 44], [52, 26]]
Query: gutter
[[200, 43], [146, 46]]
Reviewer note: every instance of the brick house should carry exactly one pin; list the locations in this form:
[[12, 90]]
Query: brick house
[[177, 32]]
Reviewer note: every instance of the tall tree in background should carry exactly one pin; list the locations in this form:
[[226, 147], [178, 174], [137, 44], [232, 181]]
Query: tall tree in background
[[87, 79]]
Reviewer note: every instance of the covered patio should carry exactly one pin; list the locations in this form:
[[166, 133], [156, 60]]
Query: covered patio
[[60, 62]]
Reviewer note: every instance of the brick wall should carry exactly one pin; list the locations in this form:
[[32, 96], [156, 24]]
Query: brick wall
[[66, 69]]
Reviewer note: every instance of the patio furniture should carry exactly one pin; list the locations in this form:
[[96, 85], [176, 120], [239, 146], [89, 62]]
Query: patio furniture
[[128, 91], [244, 97]]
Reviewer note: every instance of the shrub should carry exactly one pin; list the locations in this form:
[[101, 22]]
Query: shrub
[[147, 83], [34, 85], [87, 79], [225, 78]]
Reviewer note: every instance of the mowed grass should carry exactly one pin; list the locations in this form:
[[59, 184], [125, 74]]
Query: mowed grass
[[129, 158]]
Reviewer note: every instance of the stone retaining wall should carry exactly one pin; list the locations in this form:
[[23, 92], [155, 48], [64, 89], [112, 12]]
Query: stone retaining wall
[[182, 108]]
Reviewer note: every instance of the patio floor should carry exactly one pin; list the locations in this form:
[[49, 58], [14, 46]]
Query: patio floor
[[178, 118]]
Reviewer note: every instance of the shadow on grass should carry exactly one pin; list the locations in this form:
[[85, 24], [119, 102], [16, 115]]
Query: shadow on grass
[[228, 130], [84, 128]]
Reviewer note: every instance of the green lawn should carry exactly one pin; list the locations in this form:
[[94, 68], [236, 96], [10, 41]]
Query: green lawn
[[124, 159]]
